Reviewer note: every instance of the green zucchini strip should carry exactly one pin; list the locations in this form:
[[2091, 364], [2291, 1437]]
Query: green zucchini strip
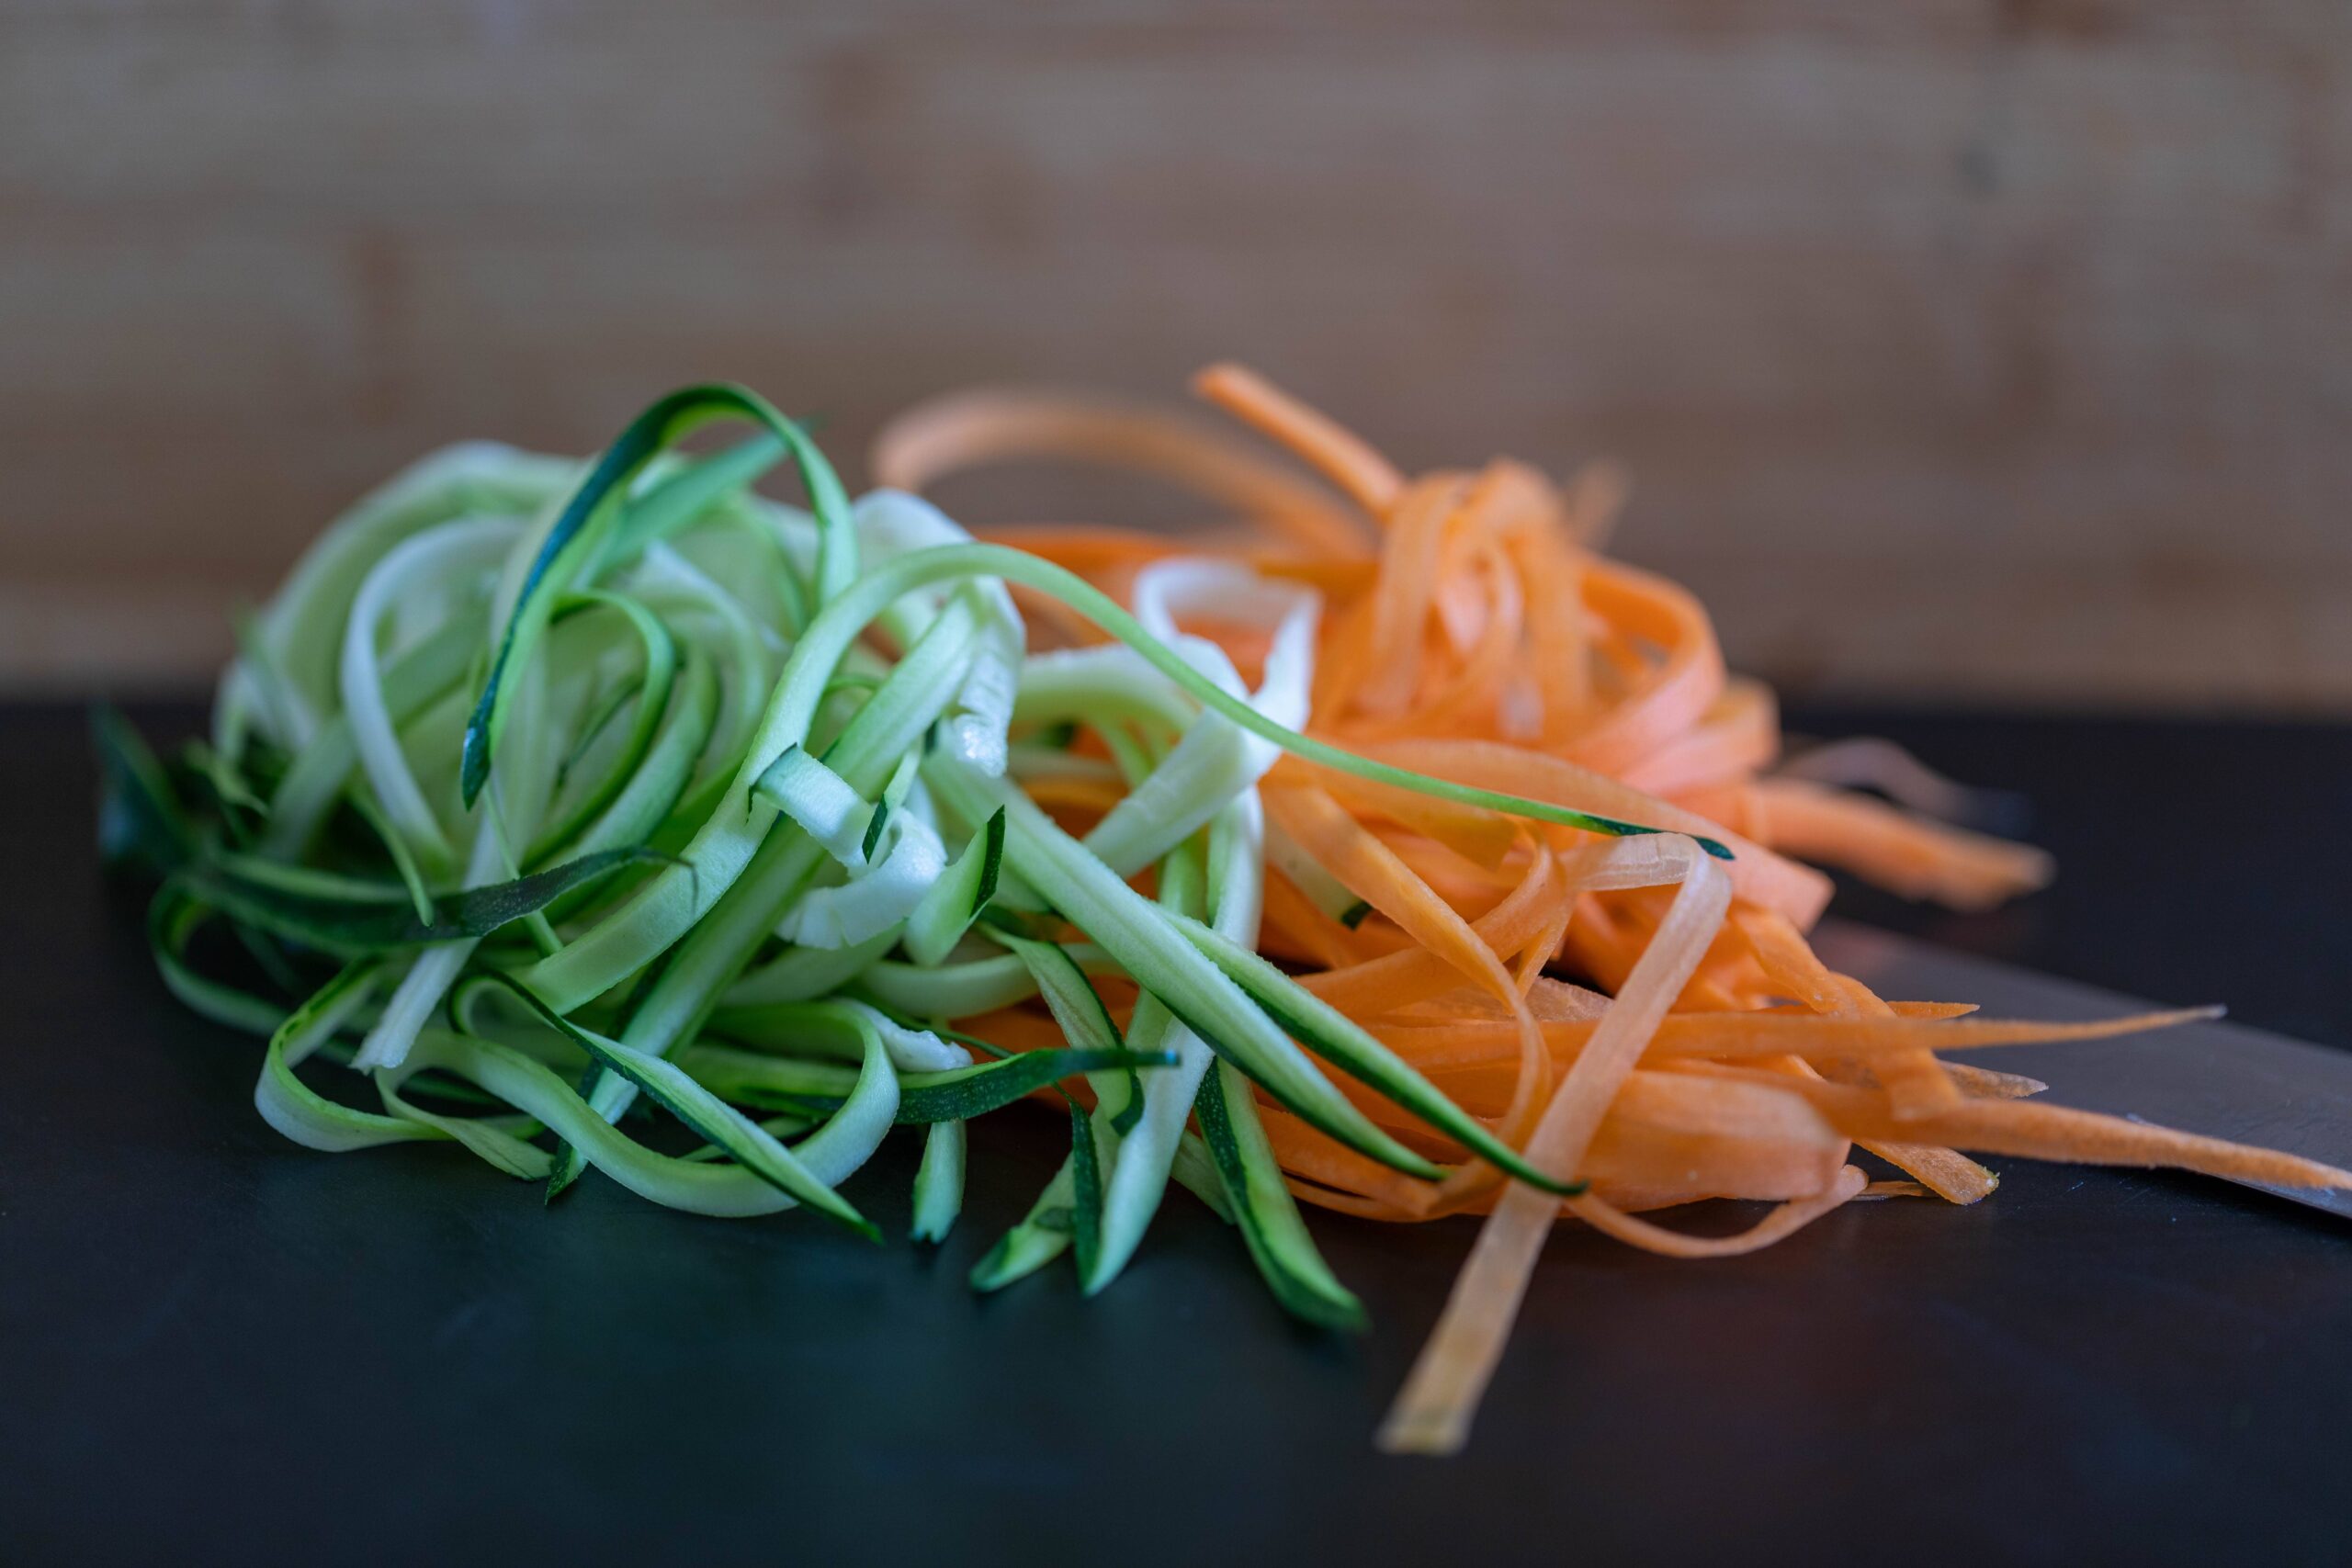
[[578, 537], [645, 695], [461, 550], [969, 985], [1135, 933], [1267, 1216], [889, 723], [959, 1094], [1043, 1235], [1085, 1023], [956, 900], [1347, 1044], [939, 1182], [700, 1185], [711, 1118]]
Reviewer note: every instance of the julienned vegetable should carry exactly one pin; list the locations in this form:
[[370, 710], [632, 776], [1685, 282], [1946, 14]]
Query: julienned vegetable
[[542, 793]]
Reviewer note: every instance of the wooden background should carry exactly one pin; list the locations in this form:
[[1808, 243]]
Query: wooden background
[[1984, 349]]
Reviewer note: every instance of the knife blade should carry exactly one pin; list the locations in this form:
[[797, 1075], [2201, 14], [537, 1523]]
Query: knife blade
[[2217, 1078]]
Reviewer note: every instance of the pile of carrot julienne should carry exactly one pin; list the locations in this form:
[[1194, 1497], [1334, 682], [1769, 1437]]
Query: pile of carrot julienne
[[1472, 632]]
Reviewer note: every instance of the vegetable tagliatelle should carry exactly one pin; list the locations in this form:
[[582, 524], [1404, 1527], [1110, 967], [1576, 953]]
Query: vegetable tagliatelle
[[1384, 847]]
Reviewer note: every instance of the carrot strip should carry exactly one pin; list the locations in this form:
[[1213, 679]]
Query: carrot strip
[[1672, 698], [1908, 855], [1990, 1083], [1559, 627], [1358, 472], [1406, 588], [996, 424], [1666, 1138], [1868, 762], [1783, 1222], [1373, 873], [1472, 695], [1432, 1412], [1914, 1081], [2032, 1129], [1895, 1190], [1311, 932], [1761, 877], [1740, 735], [1470, 1042], [1400, 979], [1479, 836]]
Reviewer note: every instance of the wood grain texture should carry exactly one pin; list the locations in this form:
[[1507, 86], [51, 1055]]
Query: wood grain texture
[[1983, 349]]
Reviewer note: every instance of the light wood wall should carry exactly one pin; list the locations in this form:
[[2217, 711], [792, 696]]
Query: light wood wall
[[2001, 350]]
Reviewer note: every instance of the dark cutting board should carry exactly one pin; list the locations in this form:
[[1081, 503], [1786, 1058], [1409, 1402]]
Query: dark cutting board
[[216, 1346]]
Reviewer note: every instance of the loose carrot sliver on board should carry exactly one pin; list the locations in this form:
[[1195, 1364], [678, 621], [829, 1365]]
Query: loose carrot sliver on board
[[1630, 1012]]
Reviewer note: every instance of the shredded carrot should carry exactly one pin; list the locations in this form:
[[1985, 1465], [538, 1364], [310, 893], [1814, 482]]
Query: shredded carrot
[[2034, 1131], [1631, 1012], [1991, 1083], [1878, 1190], [1909, 854], [987, 425], [1363, 474]]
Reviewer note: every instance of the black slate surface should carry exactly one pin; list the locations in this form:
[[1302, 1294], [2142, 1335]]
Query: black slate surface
[[215, 1346]]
